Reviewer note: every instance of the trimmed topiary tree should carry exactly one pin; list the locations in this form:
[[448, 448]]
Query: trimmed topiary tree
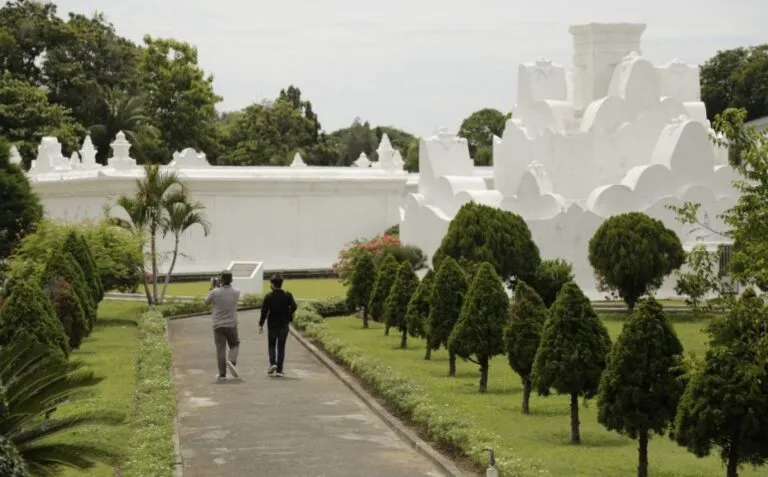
[[550, 278], [725, 402], [480, 233], [642, 384], [522, 335], [27, 316], [400, 295], [20, 208], [62, 276], [632, 253], [417, 314], [445, 307], [361, 285], [573, 351], [480, 329], [76, 245], [385, 277]]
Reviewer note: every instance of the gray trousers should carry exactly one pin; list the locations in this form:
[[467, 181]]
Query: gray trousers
[[222, 337]]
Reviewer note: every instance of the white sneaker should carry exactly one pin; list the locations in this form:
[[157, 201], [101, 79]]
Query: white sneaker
[[272, 370], [233, 369], [280, 374], [220, 378]]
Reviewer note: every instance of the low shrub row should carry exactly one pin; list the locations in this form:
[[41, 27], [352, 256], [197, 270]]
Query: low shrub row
[[150, 452], [180, 308], [407, 399]]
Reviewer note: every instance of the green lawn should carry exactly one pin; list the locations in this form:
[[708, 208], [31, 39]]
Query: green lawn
[[304, 288], [545, 434], [110, 352]]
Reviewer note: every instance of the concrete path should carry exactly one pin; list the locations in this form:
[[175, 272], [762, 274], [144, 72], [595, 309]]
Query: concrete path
[[308, 424]]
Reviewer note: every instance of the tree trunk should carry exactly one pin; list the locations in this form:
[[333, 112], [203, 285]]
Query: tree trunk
[[483, 360], [642, 451], [404, 340], [575, 435], [527, 386], [733, 459], [428, 354], [146, 286], [170, 269], [386, 329], [365, 317], [451, 364], [153, 253]]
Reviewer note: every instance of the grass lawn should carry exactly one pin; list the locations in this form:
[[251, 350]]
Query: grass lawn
[[305, 288], [110, 352], [545, 434]]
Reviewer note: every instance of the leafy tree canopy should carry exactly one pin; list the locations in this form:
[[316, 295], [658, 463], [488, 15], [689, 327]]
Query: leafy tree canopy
[[478, 129], [736, 78]]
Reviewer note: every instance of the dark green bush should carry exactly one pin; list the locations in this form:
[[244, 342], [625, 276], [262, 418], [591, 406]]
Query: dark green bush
[[550, 278], [184, 308], [76, 245], [328, 307], [252, 300]]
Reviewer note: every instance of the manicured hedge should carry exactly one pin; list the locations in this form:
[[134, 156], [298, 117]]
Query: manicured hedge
[[407, 399], [150, 451]]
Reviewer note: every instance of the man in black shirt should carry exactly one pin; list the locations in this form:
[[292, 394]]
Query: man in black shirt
[[277, 310]]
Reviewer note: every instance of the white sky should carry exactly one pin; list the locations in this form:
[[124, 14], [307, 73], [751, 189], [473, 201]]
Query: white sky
[[414, 64]]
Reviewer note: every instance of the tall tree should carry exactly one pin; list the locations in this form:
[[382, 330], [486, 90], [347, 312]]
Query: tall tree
[[125, 112], [361, 287], [385, 276], [478, 129], [736, 78], [633, 253], [26, 117], [573, 351], [522, 335], [479, 334], [447, 299], [179, 96], [641, 386], [726, 399]]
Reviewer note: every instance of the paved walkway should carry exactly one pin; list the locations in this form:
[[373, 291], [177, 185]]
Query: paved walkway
[[308, 424]]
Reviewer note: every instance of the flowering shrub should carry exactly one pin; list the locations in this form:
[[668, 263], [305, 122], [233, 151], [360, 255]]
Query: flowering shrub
[[377, 246]]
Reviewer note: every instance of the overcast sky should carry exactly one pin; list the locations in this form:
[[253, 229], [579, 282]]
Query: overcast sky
[[414, 64]]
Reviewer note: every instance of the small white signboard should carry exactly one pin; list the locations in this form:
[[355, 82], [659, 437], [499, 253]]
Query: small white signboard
[[248, 277]]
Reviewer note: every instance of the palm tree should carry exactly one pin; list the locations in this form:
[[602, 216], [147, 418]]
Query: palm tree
[[180, 216], [35, 383], [136, 224], [127, 113]]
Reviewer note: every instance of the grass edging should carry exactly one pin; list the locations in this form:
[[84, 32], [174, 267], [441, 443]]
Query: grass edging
[[151, 450], [409, 401]]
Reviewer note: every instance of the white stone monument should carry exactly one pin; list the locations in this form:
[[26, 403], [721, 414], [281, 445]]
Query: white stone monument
[[121, 159], [298, 161]]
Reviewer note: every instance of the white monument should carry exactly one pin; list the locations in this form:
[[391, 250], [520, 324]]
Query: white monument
[[121, 159], [615, 134]]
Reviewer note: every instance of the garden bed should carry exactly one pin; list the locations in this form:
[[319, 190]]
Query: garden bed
[[451, 412]]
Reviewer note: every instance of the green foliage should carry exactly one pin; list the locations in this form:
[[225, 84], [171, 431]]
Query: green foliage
[[522, 335], [254, 300], [641, 385], [77, 246], [385, 277], [393, 231], [360, 137], [726, 399], [550, 278], [36, 383], [736, 78], [150, 450], [480, 233], [183, 308], [330, 307], [446, 302], [573, 351], [417, 313], [480, 329], [62, 269], [119, 256], [27, 316], [400, 295], [478, 129], [633, 253], [701, 278], [20, 208], [11, 462], [362, 283]]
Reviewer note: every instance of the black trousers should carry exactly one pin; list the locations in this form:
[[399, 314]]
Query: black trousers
[[276, 339]]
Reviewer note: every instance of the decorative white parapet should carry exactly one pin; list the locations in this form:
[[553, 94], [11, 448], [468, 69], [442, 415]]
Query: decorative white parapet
[[362, 161], [88, 155], [15, 156], [49, 158], [121, 158], [298, 161], [74, 161], [189, 158]]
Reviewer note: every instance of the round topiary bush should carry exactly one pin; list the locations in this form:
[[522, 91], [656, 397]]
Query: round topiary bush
[[27, 316]]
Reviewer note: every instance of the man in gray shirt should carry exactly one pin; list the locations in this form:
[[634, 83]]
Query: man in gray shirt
[[224, 299]]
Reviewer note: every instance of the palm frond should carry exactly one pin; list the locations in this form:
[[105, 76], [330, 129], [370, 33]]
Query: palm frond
[[46, 460], [29, 438]]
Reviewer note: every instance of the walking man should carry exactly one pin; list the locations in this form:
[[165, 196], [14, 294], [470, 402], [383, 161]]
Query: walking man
[[224, 299], [277, 310]]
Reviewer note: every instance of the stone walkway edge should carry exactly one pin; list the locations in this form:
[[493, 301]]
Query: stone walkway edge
[[401, 429]]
